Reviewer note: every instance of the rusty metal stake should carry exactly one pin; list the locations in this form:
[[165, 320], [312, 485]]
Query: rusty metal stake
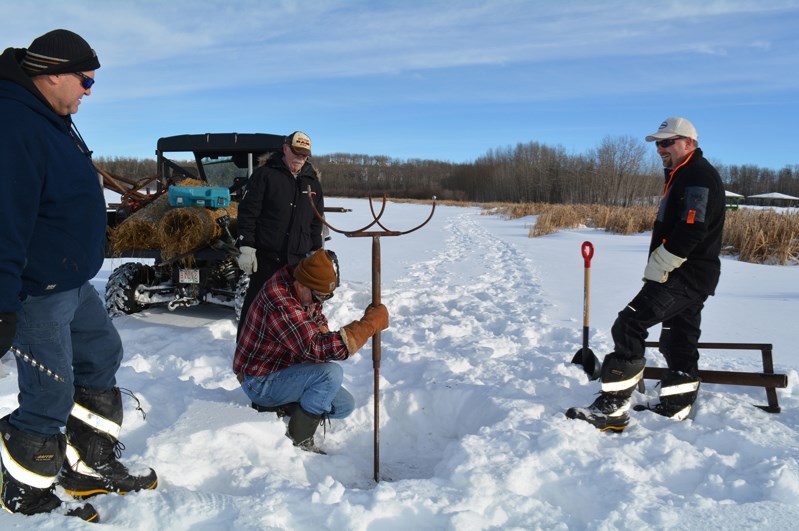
[[364, 232]]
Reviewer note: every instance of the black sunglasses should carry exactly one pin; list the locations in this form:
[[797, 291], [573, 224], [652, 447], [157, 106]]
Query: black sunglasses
[[668, 142], [321, 297], [85, 81]]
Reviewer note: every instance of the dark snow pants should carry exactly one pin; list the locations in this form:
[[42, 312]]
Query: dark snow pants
[[679, 309]]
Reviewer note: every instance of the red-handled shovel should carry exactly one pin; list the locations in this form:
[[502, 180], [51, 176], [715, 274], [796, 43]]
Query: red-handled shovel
[[585, 356]]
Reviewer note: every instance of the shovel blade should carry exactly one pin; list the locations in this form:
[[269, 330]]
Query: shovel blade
[[590, 363]]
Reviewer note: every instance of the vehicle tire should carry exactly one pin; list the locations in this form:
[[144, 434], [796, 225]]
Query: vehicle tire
[[120, 290], [241, 292]]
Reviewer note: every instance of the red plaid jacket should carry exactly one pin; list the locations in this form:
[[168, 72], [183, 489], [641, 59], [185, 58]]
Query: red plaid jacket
[[278, 331]]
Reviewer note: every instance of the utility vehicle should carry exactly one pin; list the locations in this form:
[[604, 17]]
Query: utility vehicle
[[209, 273]]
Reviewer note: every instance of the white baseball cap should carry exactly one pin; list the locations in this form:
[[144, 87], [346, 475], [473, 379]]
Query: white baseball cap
[[674, 126]]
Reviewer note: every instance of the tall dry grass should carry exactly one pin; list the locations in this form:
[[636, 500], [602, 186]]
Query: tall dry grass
[[762, 236], [758, 236], [552, 218]]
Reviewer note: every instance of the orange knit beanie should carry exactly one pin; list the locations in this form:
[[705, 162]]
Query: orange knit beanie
[[317, 272]]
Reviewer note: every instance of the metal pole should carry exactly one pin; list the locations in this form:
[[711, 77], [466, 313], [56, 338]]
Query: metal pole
[[375, 235], [376, 353]]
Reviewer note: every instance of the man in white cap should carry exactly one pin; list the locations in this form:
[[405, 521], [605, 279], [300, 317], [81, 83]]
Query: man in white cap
[[52, 211], [682, 272]]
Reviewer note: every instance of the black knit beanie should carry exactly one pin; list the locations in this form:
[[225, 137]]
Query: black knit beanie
[[59, 52]]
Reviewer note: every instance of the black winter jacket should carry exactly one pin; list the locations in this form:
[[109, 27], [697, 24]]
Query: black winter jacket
[[690, 221], [275, 216]]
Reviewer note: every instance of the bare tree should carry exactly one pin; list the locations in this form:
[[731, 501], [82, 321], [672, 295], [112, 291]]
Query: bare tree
[[621, 164]]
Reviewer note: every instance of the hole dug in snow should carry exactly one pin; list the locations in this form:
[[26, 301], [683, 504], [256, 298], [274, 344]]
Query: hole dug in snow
[[418, 426]]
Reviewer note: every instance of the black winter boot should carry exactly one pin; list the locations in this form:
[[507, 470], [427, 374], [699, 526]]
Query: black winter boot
[[609, 411], [93, 447], [302, 427], [678, 391], [30, 464]]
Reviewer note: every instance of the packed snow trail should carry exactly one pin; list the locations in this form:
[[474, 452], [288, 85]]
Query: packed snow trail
[[472, 317]]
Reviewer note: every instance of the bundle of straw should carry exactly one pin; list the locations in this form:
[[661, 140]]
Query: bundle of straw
[[140, 230], [186, 229]]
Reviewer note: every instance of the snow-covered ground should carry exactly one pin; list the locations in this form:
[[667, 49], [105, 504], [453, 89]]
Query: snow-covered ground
[[474, 380]]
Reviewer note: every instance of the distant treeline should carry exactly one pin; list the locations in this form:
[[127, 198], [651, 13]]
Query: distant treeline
[[620, 171]]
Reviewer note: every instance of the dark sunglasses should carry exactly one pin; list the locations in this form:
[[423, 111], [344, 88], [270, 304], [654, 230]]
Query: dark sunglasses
[[85, 81], [668, 142], [321, 297]]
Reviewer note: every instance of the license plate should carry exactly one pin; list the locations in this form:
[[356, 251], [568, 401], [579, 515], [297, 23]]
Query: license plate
[[189, 276]]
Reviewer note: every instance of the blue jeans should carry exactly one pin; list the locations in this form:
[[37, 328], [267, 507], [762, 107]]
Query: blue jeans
[[71, 334], [316, 386]]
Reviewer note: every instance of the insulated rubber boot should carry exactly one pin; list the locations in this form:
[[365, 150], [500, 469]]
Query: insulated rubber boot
[[93, 448], [30, 464], [618, 380], [302, 427], [678, 391]]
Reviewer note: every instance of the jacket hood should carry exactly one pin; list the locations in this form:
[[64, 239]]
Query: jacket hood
[[10, 70]]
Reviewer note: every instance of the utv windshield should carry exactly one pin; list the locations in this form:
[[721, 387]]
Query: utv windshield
[[222, 170]]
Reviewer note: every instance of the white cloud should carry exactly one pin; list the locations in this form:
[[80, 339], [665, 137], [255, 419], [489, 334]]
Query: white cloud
[[398, 60], [359, 38]]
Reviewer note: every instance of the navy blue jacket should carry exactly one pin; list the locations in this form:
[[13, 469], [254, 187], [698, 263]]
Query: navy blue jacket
[[690, 222], [52, 206]]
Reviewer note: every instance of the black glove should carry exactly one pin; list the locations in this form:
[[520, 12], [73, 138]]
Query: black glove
[[8, 329]]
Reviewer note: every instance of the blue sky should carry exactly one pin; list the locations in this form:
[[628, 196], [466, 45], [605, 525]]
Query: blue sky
[[435, 79]]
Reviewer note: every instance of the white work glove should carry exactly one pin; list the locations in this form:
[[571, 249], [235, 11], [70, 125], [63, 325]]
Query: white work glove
[[247, 261], [660, 264]]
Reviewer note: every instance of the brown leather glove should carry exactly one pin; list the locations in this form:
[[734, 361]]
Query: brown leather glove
[[357, 333]]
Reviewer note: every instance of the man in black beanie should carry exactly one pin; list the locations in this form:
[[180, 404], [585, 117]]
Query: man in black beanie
[[52, 210]]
